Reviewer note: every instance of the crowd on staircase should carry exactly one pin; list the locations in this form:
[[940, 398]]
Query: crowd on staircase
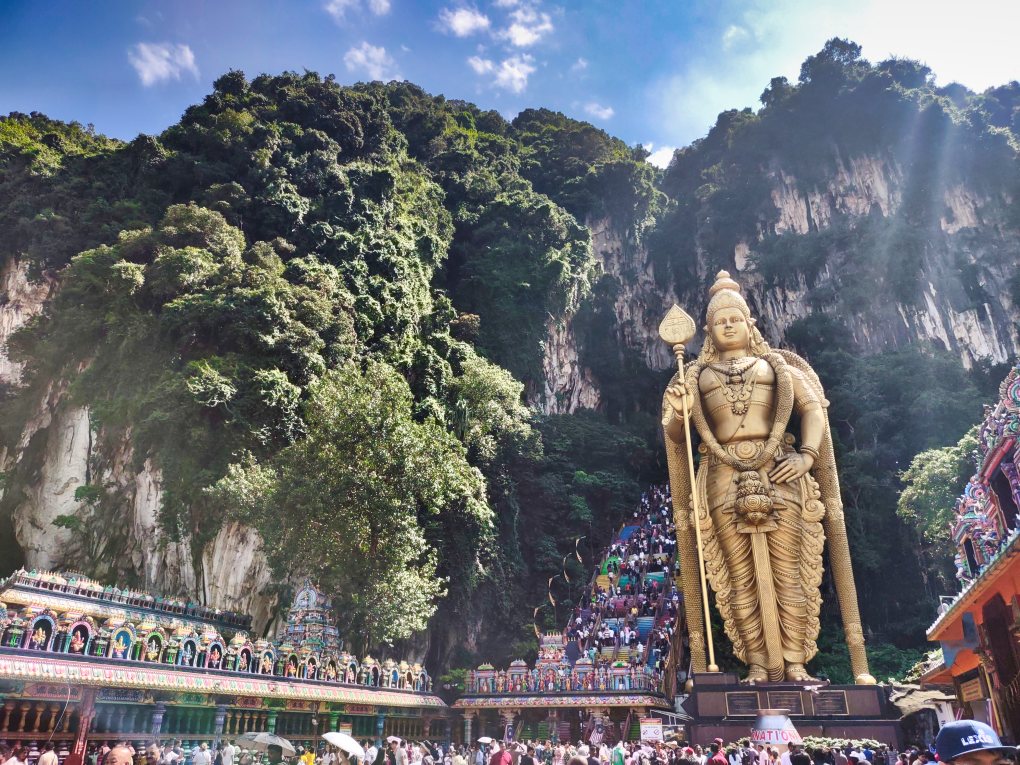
[[630, 613]]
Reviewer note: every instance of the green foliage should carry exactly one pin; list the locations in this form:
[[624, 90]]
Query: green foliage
[[933, 482], [884, 409], [379, 507], [529, 260], [195, 343], [885, 660]]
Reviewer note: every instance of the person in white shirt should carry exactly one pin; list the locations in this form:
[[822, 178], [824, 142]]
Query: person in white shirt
[[229, 752], [49, 757], [202, 757]]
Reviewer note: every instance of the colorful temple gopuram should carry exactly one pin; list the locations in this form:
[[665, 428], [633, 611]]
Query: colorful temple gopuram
[[82, 664], [979, 629]]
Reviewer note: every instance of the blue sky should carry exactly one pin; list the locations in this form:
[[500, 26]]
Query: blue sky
[[655, 73]]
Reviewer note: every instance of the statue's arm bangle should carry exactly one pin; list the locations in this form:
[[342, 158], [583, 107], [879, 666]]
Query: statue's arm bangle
[[805, 449]]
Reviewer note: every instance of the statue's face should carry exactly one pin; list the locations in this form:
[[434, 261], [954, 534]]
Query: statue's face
[[730, 330]]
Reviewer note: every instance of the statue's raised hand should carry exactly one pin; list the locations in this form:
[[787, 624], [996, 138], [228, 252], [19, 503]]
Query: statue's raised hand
[[790, 467], [677, 394]]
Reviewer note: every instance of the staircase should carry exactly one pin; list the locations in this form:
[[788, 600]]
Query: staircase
[[644, 627], [565, 733], [634, 734], [542, 733]]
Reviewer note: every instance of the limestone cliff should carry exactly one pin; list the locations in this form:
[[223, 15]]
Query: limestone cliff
[[61, 450], [964, 303]]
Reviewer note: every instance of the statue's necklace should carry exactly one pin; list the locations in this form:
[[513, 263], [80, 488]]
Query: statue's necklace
[[738, 384]]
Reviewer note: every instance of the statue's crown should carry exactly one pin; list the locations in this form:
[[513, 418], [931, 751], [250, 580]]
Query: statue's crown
[[725, 293]]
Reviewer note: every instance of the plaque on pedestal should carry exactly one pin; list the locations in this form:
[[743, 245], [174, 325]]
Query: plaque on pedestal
[[791, 701], [831, 703], [742, 703]]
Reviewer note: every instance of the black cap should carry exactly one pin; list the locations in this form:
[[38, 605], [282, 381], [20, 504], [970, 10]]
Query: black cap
[[965, 736]]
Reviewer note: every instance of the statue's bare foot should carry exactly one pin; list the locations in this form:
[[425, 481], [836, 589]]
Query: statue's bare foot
[[756, 674], [797, 673]]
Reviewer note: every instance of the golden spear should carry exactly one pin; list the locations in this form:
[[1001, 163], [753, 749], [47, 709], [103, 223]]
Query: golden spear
[[676, 329]]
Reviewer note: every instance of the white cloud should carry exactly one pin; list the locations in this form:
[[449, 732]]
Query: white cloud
[[481, 65], [371, 60], [527, 26], [463, 22], [579, 66], [733, 36], [506, 3], [339, 9], [661, 157], [509, 74], [975, 48], [159, 62], [599, 111], [513, 73]]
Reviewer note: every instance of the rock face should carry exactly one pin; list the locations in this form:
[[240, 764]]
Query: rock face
[[20, 300], [60, 450], [964, 303]]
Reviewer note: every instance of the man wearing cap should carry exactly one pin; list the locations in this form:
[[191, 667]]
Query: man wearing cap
[[969, 742], [718, 756]]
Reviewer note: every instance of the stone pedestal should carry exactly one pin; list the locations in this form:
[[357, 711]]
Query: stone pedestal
[[723, 707]]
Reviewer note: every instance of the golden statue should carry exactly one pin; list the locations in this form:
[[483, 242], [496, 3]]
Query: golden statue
[[763, 508]]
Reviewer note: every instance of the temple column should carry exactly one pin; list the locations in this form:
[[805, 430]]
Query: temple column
[[156, 721], [6, 719], [39, 708], [51, 723], [334, 720], [24, 708], [380, 725], [65, 723], [554, 726], [86, 715], [507, 717], [221, 716], [468, 716], [271, 721]]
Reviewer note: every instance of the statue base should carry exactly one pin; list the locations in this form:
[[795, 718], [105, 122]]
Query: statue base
[[722, 707]]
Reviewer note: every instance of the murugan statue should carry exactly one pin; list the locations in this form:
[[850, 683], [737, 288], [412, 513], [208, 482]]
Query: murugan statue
[[764, 507]]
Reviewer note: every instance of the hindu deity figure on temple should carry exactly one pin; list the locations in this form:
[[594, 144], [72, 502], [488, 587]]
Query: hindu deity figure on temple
[[765, 501]]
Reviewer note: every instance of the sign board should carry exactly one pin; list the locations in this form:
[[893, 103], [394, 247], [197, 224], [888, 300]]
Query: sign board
[[359, 709], [651, 729], [791, 701], [831, 703], [347, 728], [742, 703], [773, 727], [971, 690]]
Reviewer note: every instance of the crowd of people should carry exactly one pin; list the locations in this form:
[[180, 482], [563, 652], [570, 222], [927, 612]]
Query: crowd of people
[[962, 742], [609, 620]]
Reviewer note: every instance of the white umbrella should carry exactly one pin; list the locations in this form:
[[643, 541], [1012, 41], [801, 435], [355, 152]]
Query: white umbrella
[[484, 740], [261, 742], [392, 739], [343, 741]]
